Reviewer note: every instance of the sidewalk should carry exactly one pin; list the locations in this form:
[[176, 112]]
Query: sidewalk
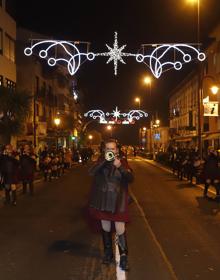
[[167, 169]]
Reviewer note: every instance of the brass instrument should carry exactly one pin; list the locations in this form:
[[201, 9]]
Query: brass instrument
[[110, 156]]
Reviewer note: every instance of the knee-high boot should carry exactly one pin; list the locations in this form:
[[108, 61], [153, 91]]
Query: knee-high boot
[[123, 250], [107, 243], [206, 190], [14, 197], [7, 196], [24, 188]]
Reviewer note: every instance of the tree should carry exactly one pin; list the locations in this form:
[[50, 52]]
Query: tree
[[15, 107]]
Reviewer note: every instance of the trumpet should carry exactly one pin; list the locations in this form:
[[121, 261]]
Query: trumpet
[[110, 156]]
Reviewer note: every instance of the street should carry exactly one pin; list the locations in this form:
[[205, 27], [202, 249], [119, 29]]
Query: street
[[173, 233]]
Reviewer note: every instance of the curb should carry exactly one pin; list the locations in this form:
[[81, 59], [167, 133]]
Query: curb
[[158, 165]]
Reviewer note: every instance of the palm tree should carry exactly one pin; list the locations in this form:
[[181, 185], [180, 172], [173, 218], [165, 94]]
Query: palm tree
[[15, 107]]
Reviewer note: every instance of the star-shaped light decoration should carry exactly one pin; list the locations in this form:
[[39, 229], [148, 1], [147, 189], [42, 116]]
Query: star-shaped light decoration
[[115, 54], [116, 113]]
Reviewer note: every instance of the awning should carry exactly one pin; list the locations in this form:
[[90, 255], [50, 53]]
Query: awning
[[212, 136], [189, 139]]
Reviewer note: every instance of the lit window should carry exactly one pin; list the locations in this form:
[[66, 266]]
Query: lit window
[[9, 48], [10, 84]]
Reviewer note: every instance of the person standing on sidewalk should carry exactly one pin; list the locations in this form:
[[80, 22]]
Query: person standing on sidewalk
[[109, 199], [211, 172], [28, 168], [10, 173]]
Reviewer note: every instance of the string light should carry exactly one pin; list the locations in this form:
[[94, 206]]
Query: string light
[[159, 60]]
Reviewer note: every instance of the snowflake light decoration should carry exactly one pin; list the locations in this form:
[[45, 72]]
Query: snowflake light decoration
[[116, 116], [162, 58]]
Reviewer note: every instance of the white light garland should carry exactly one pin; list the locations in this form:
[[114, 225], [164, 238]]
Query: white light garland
[[158, 60], [116, 116]]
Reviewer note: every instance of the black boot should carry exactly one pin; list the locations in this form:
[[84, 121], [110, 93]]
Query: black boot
[[108, 251], [24, 188], [123, 250], [14, 197], [206, 190], [7, 196]]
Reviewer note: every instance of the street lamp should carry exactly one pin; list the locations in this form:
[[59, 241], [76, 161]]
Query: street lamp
[[138, 100], [57, 122], [214, 89], [90, 137], [109, 128], [198, 18]]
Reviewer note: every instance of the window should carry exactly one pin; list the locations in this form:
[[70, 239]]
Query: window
[[1, 41], [10, 84], [9, 48], [1, 81]]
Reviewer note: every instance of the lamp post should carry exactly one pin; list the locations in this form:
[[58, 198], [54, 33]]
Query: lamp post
[[148, 81], [57, 122], [198, 18], [90, 137], [214, 89], [109, 128], [138, 100], [153, 125], [34, 121]]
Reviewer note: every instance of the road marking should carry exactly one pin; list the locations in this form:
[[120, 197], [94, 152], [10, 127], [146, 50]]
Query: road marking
[[163, 254], [120, 274]]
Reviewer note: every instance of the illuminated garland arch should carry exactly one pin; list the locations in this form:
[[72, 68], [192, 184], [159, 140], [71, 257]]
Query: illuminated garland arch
[[116, 117], [158, 60]]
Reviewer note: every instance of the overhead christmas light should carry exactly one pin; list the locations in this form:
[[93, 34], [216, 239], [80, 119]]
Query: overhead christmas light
[[159, 60], [116, 117]]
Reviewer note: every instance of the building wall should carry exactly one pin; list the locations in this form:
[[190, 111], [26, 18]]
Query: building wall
[[51, 87], [185, 99], [7, 53], [158, 138]]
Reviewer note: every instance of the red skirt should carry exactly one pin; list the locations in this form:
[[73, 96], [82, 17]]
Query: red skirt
[[108, 216]]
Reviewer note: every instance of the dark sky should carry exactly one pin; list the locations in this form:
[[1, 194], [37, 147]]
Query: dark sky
[[137, 22]]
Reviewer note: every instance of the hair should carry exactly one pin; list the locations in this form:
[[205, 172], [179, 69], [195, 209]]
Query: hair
[[111, 140]]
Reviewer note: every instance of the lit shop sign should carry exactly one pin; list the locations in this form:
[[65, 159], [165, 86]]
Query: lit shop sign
[[210, 108], [157, 136]]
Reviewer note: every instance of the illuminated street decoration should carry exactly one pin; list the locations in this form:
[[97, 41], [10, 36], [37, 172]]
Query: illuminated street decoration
[[116, 117], [162, 58]]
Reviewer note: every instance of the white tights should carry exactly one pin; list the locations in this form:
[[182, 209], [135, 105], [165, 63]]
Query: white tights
[[119, 226]]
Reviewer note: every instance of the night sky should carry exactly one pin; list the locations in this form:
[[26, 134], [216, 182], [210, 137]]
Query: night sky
[[137, 22]]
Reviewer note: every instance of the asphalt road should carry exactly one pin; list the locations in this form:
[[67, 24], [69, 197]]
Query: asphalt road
[[174, 233]]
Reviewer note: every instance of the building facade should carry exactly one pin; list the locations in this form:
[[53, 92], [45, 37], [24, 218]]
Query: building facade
[[7, 50], [52, 91], [193, 105]]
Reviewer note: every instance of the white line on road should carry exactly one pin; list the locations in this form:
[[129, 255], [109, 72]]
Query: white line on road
[[163, 254], [120, 274]]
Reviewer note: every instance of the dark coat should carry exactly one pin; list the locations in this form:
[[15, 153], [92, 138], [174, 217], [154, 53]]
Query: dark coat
[[28, 167], [10, 169], [211, 170], [109, 194]]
